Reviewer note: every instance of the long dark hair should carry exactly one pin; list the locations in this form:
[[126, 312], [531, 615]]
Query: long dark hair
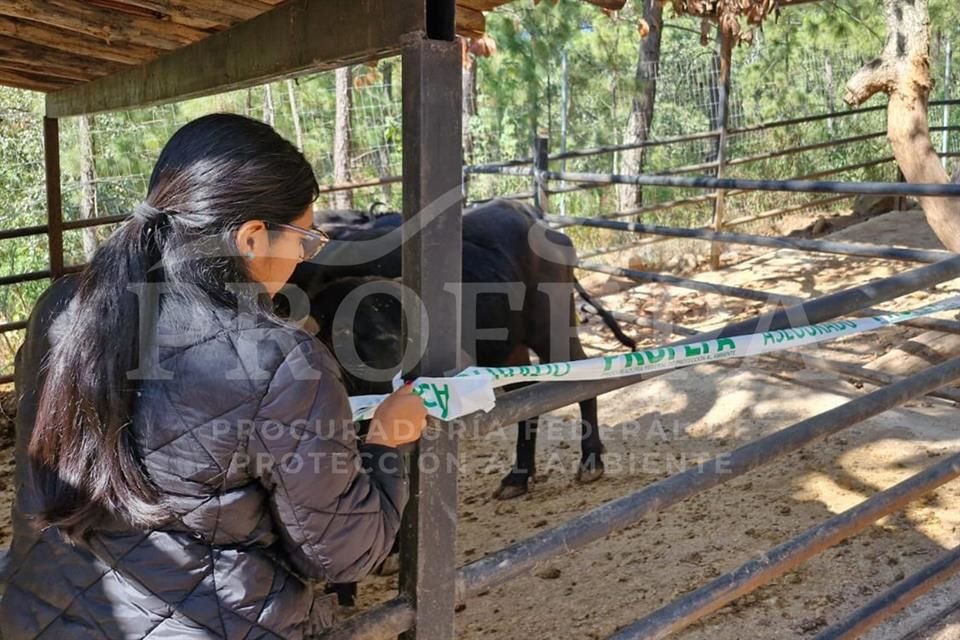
[[214, 174]]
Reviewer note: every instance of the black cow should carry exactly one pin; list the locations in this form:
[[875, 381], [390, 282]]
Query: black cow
[[503, 242], [338, 223]]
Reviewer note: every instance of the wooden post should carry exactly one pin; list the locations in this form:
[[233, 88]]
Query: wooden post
[[541, 146], [719, 203], [51, 161], [432, 203]]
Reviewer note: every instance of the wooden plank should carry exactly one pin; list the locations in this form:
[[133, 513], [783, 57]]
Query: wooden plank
[[470, 22], [228, 8], [208, 16], [73, 42], [105, 25], [432, 187], [64, 77], [47, 61], [32, 82], [296, 37]]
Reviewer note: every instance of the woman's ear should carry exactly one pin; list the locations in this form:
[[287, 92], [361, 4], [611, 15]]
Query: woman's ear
[[252, 240]]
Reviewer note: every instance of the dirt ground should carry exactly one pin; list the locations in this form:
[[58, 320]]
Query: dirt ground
[[686, 417]]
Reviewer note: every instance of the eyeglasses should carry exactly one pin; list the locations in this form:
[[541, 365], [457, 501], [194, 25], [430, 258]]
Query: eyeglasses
[[313, 239]]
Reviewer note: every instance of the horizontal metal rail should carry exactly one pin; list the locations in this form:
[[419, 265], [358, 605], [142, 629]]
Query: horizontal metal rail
[[774, 563], [771, 213], [13, 326], [789, 151], [800, 244], [896, 598], [823, 116], [525, 195], [86, 223], [807, 186], [24, 277], [388, 619], [612, 516], [543, 397], [347, 186], [822, 145], [23, 232], [679, 281], [934, 324]]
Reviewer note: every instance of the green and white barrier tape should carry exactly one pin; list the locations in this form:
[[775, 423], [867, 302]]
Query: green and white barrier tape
[[472, 389]]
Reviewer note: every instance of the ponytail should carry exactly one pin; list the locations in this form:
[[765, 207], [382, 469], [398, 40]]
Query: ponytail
[[83, 457]]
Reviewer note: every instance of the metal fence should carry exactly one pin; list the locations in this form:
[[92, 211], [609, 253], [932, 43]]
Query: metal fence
[[396, 616]]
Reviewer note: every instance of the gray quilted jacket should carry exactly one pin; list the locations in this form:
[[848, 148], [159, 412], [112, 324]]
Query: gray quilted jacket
[[250, 441]]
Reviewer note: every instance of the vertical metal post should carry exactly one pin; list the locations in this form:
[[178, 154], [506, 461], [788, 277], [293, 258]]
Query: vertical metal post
[[432, 240], [564, 104], [945, 145], [51, 162], [719, 203], [541, 147]]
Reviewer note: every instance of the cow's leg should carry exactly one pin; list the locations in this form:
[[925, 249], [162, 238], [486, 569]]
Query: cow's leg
[[591, 447], [516, 482], [563, 343]]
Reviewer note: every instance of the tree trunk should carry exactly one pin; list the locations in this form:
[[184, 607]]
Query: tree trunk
[[641, 109], [713, 104], [88, 186], [903, 72], [295, 113], [341, 139], [268, 113]]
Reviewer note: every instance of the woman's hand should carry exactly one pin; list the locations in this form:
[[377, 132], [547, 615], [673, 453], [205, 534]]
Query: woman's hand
[[398, 420]]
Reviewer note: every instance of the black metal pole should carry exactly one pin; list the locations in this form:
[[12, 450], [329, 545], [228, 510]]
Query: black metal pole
[[810, 186], [774, 563], [896, 598], [431, 266], [540, 167], [934, 324], [612, 516], [51, 157], [800, 244], [543, 397]]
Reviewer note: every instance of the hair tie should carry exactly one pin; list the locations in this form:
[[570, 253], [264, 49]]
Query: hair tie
[[148, 213]]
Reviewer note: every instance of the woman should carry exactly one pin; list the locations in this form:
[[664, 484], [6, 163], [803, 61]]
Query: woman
[[192, 465]]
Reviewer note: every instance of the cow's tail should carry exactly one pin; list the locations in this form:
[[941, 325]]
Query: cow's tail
[[606, 316]]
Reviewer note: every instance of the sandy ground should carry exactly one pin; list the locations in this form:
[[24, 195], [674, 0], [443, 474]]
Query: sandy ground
[[688, 416], [685, 417]]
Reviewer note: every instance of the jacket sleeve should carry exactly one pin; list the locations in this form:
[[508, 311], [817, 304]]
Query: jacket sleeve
[[337, 506]]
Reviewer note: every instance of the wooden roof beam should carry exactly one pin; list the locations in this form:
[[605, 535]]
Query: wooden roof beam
[[27, 80], [470, 22], [295, 37], [74, 43], [83, 18], [207, 15], [42, 59]]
